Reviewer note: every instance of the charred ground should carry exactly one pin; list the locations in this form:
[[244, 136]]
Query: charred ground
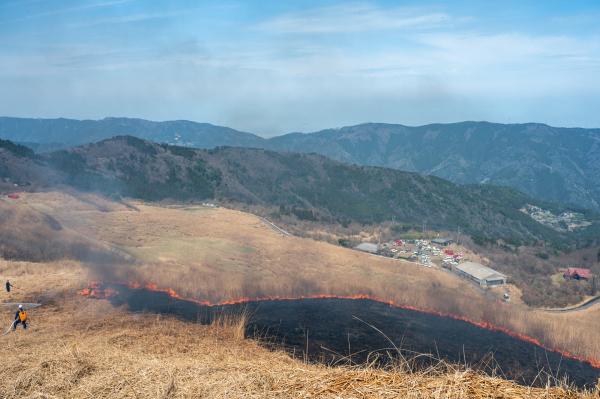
[[105, 351], [347, 331]]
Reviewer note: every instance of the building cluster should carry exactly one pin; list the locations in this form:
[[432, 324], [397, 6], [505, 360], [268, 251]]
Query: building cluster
[[424, 251], [565, 221], [421, 251]]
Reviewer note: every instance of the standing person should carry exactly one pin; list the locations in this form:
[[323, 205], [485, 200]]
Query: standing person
[[8, 286], [20, 317]]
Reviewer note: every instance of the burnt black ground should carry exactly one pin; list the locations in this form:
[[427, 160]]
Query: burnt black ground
[[329, 330]]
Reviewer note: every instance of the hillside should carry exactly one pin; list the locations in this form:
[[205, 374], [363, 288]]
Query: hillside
[[309, 186], [219, 254], [20, 168], [545, 162], [108, 352], [554, 164]]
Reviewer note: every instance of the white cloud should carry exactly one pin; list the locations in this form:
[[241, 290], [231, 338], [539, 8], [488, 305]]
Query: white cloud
[[353, 18]]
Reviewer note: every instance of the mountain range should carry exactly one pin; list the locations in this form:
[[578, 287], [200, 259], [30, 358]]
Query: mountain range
[[548, 163], [310, 186]]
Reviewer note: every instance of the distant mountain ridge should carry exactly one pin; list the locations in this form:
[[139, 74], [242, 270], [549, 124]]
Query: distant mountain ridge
[[73, 132], [553, 164]]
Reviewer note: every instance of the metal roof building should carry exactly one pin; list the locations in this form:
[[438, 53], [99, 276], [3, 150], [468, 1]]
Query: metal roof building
[[482, 275], [442, 241], [367, 247]]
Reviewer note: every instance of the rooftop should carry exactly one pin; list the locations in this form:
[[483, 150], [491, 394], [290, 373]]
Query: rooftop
[[367, 247], [479, 271], [442, 240], [571, 271]]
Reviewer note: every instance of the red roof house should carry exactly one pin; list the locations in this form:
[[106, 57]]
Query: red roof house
[[578, 273]]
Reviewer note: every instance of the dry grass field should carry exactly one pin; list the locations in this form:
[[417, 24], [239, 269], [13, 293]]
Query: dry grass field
[[220, 254], [81, 348]]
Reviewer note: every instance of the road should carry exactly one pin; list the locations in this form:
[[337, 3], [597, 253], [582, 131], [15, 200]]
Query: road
[[590, 302], [274, 227]]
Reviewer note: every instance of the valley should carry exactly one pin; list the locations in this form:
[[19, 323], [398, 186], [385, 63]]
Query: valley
[[219, 254]]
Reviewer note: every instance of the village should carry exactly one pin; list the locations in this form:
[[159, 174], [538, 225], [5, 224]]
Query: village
[[446, 254]]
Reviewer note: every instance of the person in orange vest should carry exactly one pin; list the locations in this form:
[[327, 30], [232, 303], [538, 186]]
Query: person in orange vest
[[20, 318]]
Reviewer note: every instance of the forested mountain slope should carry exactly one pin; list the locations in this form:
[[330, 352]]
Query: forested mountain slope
[[549, 163], [309, 185]]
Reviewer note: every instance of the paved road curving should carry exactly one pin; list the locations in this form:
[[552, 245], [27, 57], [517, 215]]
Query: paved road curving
[[590, 302]]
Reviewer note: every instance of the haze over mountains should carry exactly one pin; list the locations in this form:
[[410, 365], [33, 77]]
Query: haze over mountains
[[549, 163]]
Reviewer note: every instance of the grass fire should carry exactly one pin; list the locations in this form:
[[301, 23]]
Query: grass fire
[[140, 296]]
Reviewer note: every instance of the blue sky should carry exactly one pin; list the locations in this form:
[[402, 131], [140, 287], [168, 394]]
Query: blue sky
[[281, 66]]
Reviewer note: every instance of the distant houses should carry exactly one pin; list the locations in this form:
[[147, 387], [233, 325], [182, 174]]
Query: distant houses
[[577, 273], [421, 251], [482, 275]]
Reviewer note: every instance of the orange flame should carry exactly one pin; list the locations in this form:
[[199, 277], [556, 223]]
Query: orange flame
[[95, 290]]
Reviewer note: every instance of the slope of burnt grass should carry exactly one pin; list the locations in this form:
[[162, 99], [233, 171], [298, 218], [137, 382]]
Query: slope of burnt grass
[[346, 331]]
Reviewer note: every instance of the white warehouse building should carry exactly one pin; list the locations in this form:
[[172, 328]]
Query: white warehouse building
[[367, 247], [482, 275]]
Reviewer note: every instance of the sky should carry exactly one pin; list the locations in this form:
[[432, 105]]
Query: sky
[[272, 67]]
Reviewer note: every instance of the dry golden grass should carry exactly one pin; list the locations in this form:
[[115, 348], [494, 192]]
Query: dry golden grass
[[82, 348], [219, 254]]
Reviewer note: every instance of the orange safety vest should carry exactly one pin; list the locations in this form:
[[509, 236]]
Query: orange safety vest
[[22, 315]]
